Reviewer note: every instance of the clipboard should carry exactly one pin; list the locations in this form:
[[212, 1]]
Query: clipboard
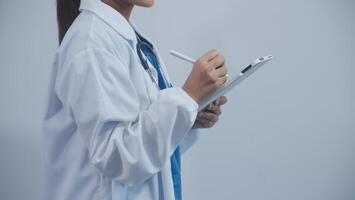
[[234, 81]]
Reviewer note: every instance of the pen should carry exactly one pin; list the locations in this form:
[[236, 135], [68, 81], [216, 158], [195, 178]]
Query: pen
[[182, 56]]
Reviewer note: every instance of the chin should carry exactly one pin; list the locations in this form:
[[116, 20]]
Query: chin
[[144, 3]]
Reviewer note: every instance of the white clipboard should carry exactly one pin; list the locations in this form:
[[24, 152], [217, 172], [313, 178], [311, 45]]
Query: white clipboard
[[234, 81]]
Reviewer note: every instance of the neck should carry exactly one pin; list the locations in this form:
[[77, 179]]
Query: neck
[[120, 6]]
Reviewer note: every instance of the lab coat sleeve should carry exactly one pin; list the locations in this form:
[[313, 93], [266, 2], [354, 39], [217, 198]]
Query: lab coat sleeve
[[124, 142], [189, 140]]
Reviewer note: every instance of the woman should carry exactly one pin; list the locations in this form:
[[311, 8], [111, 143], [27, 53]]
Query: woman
[[114, 123]]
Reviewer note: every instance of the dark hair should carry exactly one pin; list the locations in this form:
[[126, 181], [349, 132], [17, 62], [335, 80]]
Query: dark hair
[[67, 11]]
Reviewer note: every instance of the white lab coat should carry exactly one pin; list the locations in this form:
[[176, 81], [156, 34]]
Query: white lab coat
[[108, 131]]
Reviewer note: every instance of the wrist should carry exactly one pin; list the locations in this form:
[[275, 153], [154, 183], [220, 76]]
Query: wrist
[[190, 93]]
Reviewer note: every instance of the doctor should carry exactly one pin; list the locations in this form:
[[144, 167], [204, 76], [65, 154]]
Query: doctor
[[115, 126]]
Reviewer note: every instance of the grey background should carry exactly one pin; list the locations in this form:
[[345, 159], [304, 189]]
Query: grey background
[[286, 133]]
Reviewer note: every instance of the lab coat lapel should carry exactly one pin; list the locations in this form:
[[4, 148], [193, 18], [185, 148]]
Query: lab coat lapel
[[113, 18], [124, 28]]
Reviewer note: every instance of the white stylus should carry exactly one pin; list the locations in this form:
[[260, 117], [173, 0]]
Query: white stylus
[[182, 56]]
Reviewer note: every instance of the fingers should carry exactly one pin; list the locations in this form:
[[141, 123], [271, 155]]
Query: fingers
[[217, 61], [221, 80], [222, 100], [216, 102], [214, 58], [221, 71], [205, 123], [211, 113], [212, 117], [218, 64], [214, 108], [210, 55]]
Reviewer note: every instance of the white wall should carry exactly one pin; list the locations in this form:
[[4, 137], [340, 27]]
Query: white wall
[[27, 46], [286, 133]]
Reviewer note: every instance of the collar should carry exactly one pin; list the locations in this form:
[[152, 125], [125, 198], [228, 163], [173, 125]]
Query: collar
[[112, 17]]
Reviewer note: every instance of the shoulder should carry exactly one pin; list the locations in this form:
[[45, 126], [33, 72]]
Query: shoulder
[[87, 32]]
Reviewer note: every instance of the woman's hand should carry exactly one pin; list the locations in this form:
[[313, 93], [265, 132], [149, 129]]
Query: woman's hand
[[208, 73], [209, 116]]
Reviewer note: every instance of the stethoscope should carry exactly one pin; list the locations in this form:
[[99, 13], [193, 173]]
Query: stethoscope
[[143, 44]]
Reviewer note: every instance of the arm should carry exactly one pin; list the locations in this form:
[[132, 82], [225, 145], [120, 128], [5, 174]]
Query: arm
[[124, 142]]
